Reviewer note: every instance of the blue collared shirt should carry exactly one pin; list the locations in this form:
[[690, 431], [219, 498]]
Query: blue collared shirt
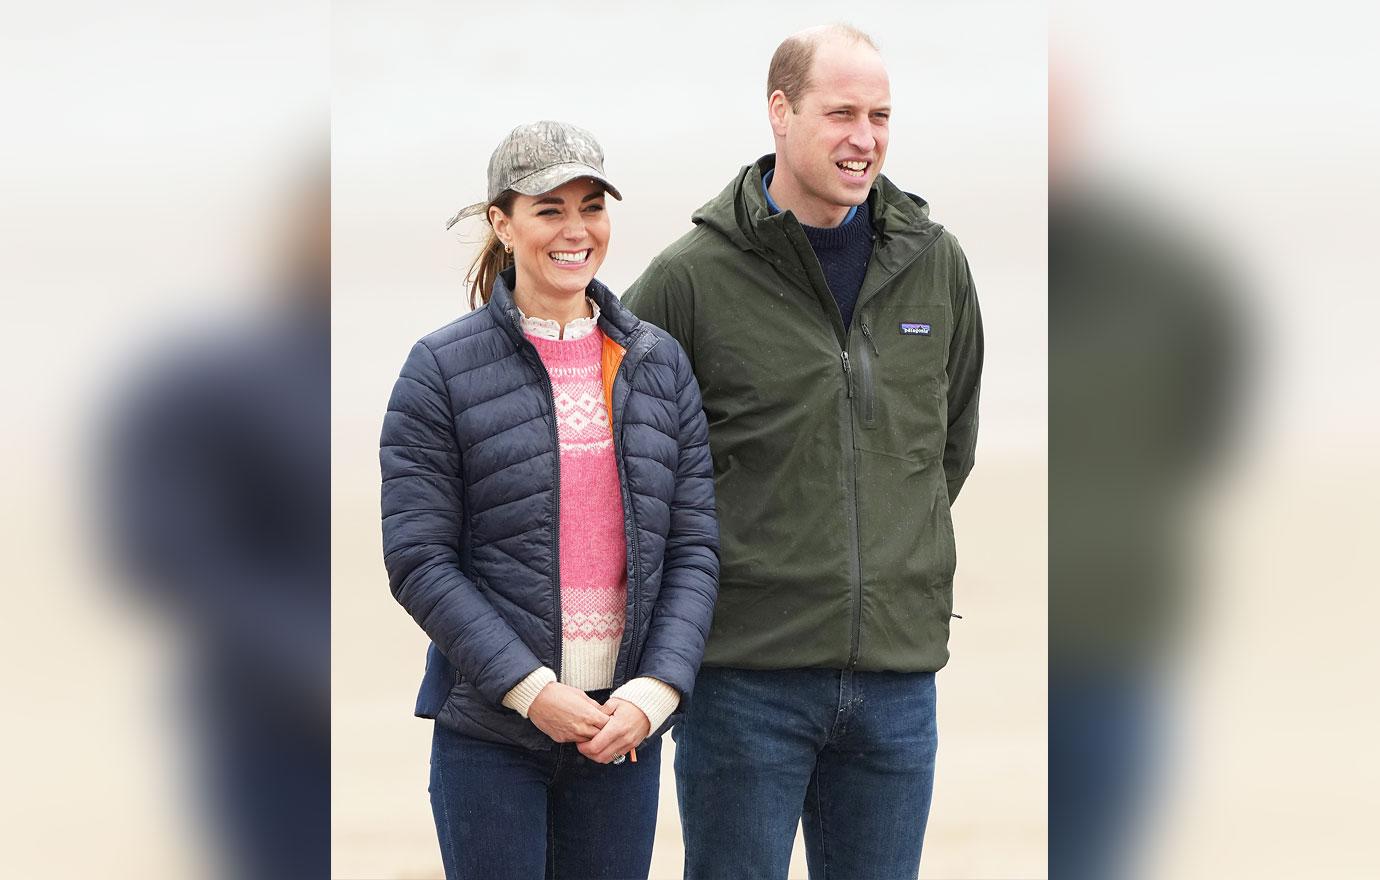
[[775, 209]]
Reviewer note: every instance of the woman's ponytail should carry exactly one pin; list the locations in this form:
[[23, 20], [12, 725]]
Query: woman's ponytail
[[492, 257]]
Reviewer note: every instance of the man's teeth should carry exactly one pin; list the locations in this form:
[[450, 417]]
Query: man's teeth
[[853, 167], [570, 256]]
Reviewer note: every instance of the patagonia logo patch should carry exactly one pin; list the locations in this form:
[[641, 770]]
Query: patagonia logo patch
[[915, 329]]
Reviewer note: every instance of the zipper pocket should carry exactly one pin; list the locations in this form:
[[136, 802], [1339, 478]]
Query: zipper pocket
[[869, 391]]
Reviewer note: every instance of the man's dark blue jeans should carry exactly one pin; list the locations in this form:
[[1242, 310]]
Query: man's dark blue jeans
[[504, 812], [850, 753]]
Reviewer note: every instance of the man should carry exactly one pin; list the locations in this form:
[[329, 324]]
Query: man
[[218, 494], [836, 338], [1127, 472]]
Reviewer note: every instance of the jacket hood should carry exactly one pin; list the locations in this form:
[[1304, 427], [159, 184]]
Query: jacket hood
[[740, 213], [614, 318]]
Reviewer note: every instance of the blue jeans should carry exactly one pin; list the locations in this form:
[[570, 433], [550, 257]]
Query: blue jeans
[[503, 811], [1105, 744], [850, 753]]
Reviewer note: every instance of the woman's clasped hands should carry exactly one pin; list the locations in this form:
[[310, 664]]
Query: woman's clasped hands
[[603, 732]]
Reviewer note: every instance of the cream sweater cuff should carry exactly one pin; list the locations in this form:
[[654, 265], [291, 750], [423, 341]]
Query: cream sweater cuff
[[656, 699], [520, 698]]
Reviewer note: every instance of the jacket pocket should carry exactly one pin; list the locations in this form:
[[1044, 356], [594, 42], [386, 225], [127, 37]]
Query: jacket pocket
[[869, 392], [866, 376], [901, 401], [948, 551]]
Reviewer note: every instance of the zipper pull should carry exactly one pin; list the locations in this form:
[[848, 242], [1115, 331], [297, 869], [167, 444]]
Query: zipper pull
[[867, 332], [847, 372]]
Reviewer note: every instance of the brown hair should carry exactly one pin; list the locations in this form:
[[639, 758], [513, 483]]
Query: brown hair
[[790, 65], [492, 258]]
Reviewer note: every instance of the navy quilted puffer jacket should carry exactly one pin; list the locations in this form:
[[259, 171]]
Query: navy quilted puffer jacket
[[471, 475]]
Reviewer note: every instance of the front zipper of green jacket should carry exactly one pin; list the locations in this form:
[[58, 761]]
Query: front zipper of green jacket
[[850, 445], [534, 357], [850, 457]]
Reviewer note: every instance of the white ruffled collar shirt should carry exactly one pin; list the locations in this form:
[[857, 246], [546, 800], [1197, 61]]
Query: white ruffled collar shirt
[[544, 328]]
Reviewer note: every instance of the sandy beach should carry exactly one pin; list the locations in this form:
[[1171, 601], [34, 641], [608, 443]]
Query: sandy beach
[[988, 816]]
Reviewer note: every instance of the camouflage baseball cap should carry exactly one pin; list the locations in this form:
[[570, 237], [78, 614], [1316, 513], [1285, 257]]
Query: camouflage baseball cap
[[537, 158]]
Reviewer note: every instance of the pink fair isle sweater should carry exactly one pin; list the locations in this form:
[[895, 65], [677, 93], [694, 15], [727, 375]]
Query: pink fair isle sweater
[[593, 546]]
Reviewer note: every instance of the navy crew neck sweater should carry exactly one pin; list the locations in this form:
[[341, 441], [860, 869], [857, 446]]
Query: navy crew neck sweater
[[843, 252]]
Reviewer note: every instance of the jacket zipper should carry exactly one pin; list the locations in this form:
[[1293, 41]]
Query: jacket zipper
[[849, 453], [629, 526], [630, 535], [867, 332], [868, 421], [869, 405], [555, 519], [850, 457]]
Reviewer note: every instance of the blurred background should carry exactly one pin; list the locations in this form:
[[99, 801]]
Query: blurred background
[[165, 249], [676, 94], [1212, 436]]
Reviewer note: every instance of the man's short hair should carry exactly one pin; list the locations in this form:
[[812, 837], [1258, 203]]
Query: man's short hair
[[790, 64]]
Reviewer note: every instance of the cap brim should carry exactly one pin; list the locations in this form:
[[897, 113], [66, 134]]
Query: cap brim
[[554, 176], [540, 182]]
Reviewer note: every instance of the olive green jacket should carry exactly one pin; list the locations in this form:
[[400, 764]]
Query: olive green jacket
[[837, 451]]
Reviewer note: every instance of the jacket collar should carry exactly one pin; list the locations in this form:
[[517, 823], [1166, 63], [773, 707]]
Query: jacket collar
[[901, 220], [616, 321]]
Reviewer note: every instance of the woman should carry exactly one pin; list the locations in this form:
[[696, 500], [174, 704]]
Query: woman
[[548, 520]]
